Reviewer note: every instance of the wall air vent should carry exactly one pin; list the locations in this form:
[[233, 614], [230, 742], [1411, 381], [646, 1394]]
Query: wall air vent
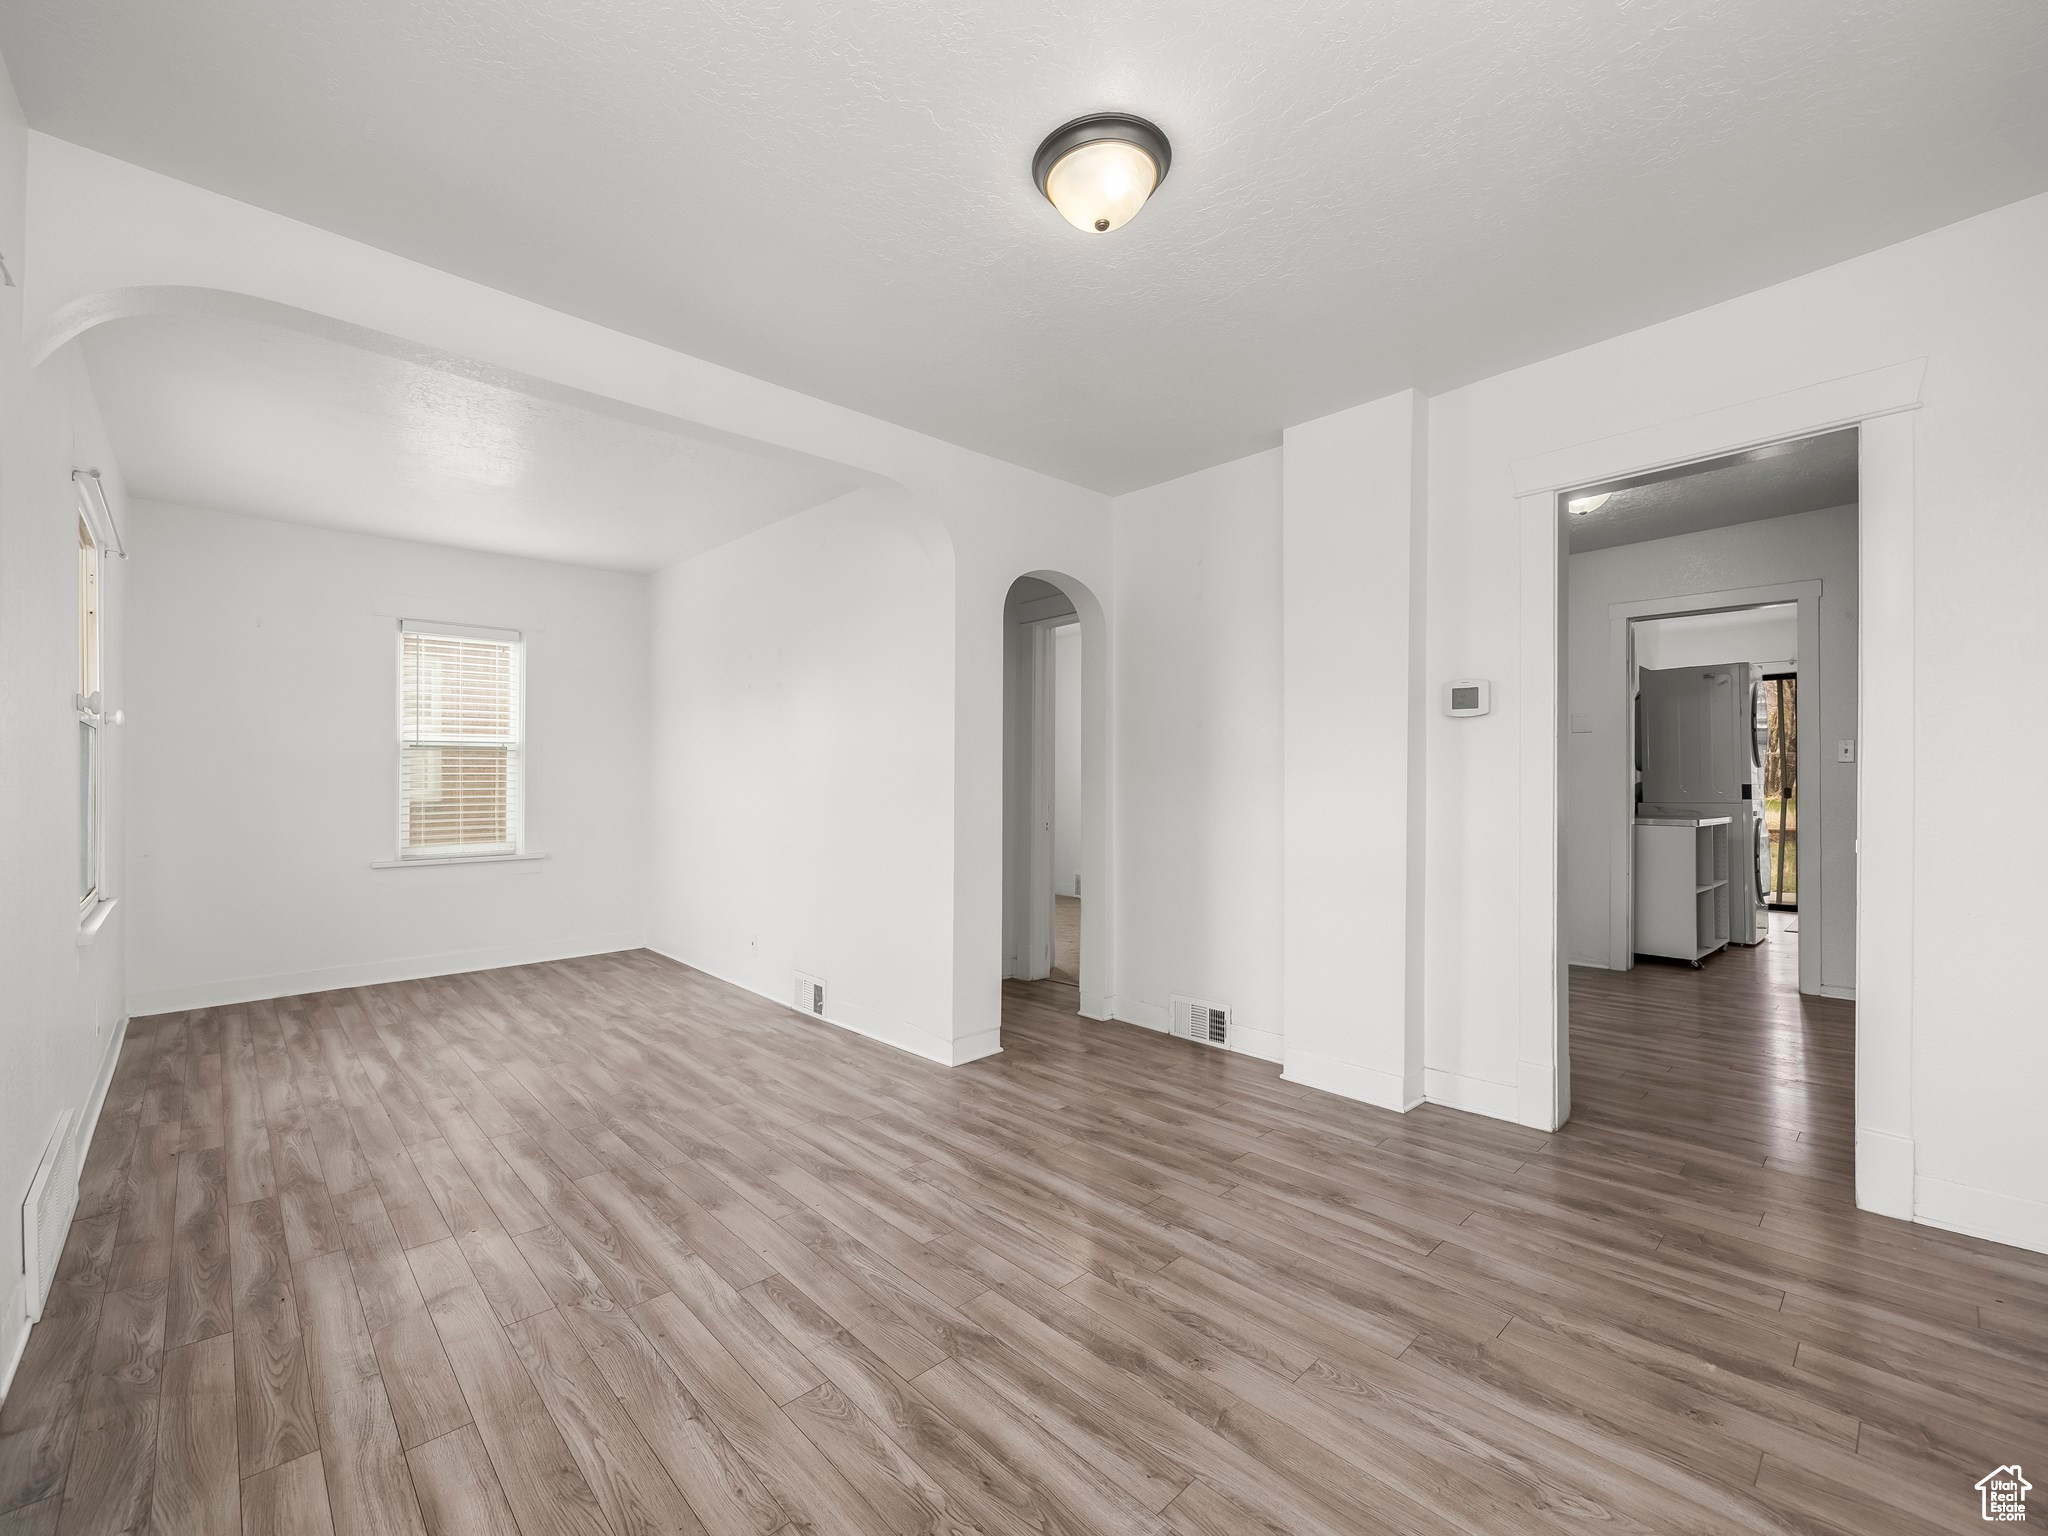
[[810, 995], [1204, 1023], [46, 1213]]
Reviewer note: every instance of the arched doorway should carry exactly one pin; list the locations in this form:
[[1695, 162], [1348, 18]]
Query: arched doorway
[[1055, 879]]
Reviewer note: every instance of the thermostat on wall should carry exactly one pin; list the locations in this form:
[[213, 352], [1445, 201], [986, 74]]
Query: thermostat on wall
[[1468, 696]]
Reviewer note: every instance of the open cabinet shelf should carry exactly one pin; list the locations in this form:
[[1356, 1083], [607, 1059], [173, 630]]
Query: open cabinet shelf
[[1682, 886]]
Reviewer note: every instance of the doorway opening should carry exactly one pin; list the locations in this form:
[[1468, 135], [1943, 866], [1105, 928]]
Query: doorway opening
[[1710, 622], [1054, 775], [1066, 806], [1781, 791], [1702, 752]]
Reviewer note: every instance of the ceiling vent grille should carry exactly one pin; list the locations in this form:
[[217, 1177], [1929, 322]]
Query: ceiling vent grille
[[46, 1213], [1203, 1023], [810, 995]]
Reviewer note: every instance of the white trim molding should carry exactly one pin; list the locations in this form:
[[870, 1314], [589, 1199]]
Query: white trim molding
[[468, 858], [12, 1300], [1813, 806], [1245, 1039], [1347, 1079], [894, 1033], [372, 973], [1807, 412], [1476, 1094], [1884, 1173], [1984, 1213], [1881, 403], [94, 918], [109, 1059], [1885, 810]]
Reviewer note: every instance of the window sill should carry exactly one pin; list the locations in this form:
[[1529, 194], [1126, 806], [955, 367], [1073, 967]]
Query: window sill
[[94, 918], [472, 858]]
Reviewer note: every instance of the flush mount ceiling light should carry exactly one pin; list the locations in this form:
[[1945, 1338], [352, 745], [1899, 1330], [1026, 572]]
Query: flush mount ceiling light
[[1098, 170], [1585, 504]]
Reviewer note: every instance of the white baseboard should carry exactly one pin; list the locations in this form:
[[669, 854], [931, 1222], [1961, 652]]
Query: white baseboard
[[1847, 994], [14, 1303], [945, 1050], [973, 1047], [1262, 1043], [1542, 1097], [371, 973], [1347, 1079], [1884, 1173], [1475, 1095], [1984, 1213], [110, 1057], [14, 1308], [1095, 1006], [1135, 1010], [1244, 1040]]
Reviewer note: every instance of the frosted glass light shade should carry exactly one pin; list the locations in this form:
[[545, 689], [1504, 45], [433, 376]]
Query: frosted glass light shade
[[1099, 187], [1099, 170]]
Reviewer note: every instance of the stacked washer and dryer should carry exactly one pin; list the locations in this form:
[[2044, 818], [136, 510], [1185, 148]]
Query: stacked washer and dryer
[[1702, 735]]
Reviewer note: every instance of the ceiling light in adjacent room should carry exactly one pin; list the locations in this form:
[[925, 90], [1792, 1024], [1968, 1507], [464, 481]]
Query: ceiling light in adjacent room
[[1581, 505], [1098, 171]]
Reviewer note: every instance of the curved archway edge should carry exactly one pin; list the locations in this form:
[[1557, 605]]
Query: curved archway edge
[[1097, 990]]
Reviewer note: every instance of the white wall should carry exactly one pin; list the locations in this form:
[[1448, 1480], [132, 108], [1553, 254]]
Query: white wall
[[61, 1005], [802, 783], [127, 241], [262, 728], [1198, 747], [1066, 764], [1969, 300], [1703, 639], [1809, 546], [1353, 550]]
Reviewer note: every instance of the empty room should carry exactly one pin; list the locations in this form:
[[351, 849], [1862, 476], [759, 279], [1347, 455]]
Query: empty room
[[869, 769]]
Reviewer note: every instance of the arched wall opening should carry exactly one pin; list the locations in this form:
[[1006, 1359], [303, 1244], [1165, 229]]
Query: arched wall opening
[[1043, 850]]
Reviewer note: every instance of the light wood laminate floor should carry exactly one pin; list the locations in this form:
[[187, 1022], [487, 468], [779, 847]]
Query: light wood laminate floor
[[607, 1248]]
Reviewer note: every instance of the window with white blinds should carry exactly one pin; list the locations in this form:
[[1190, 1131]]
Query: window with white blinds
[[459, 732]]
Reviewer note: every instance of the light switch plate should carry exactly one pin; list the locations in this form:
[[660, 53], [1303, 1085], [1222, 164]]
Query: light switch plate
[[1845, 751]]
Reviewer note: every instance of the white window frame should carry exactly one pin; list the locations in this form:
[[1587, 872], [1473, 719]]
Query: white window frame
[[406, 857]]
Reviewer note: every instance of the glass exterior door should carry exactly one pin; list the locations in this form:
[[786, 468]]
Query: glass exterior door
[[1781, 791]]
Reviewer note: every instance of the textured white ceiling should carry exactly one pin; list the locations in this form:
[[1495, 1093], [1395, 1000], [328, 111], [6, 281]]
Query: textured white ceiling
[[275, 423], [1366, 194], [1777, 481]]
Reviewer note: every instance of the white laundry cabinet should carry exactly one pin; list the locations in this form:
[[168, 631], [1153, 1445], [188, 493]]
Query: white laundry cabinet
[[1682, 885]]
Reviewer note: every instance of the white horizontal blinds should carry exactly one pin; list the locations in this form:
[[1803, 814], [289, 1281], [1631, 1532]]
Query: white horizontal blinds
[[459, 734]]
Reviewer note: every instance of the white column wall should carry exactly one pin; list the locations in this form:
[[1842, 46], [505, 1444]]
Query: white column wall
[[1353, 497]]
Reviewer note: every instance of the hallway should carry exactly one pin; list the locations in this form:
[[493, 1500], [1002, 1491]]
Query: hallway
[[1725, 1063], [1066, 941]]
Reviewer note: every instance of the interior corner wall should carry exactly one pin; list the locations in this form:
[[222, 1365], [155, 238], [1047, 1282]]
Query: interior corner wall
[[1198, 748], [803, 755], [1968, 301], [1808, 546], [1353, 534], [262, 726], [61, 1003]]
